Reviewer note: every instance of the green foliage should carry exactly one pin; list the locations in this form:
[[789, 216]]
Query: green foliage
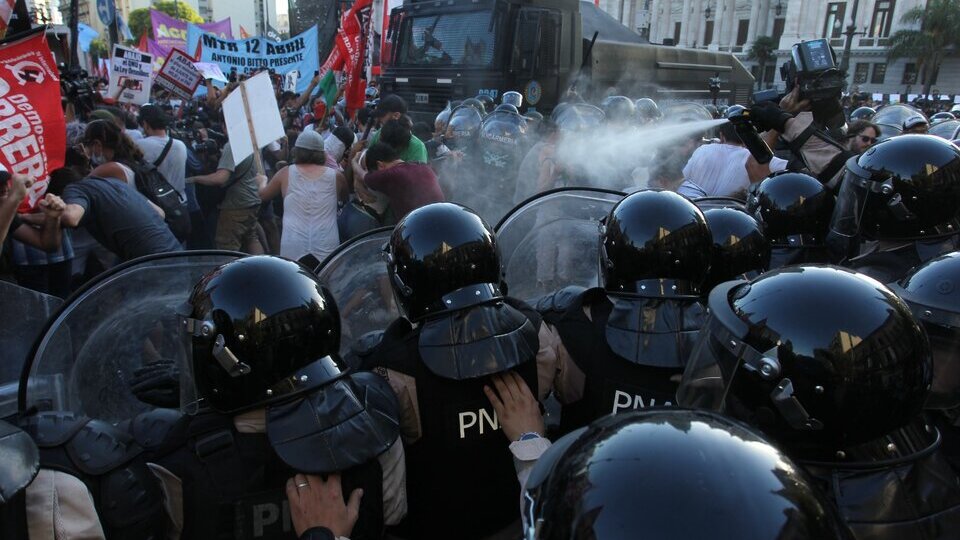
[[937, 36], [99, 48], [139, 20], [762, 51]]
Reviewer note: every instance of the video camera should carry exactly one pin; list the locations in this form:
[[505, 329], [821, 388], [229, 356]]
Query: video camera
[[813, 69], [75, 88]]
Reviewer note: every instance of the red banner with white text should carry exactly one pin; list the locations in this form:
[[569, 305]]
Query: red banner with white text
[[33, 137]]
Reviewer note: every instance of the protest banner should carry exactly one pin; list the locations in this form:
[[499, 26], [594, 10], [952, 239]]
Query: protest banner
[[253, 118], [211, 71], [130, 70], [249, 55], [33, 137], [158, 53], [170, 32], [178, 75]]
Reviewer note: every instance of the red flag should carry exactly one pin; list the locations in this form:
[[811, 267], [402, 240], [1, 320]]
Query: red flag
[[33, 135], [143, 45], [352, 42], [243, 32], [6, 11]]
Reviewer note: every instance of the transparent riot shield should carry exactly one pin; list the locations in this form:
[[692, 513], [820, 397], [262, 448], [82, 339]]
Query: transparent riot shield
[[356, 275], [551, 240], [123, 320], [23, 315]]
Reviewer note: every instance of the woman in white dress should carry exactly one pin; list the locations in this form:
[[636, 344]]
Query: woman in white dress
[[311, 192]]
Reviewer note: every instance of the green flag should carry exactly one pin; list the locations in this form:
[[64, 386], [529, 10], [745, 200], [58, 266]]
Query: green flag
[[328, 88]]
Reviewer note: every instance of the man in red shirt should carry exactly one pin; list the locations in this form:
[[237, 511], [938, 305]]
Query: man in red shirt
[[408, 186]]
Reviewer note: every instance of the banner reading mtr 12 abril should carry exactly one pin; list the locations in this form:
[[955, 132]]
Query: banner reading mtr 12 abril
[[253, 54]]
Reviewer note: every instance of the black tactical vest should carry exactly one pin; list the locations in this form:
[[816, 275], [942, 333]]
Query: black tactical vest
[[13, 517], [894, 488], [234, 483], [614, 384], [127, 496], [461, 482]]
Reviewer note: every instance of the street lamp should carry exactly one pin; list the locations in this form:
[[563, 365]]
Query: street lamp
[[778, 9], [707, 12]]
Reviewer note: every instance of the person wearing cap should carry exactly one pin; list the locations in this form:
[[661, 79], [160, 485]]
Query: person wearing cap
[[393, 107], [916, 124], [311, 192], [167, 154]]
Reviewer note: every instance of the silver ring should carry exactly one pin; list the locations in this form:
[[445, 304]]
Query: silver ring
[[303, 485]]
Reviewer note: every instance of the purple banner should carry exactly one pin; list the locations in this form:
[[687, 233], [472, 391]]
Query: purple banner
[[171, 33]]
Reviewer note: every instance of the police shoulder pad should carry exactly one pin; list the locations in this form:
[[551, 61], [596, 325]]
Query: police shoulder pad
[[153, 428], [99, 448]]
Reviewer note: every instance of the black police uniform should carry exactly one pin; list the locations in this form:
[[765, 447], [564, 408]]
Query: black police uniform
[[462, 482], [126, 494], [632, 348]]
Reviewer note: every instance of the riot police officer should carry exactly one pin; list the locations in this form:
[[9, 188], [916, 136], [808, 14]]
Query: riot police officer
[[512, 98], [625, 343], [794, 210], [740, 249], [619, 111], [932, 291], [902, 197], [832, 366], [647, 111], [262, 337], [501, 145], [672, 474], [19, 450], [458, 328]]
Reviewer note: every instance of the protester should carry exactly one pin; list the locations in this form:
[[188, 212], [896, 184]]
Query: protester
[[237, 219], [167, 154], [393, 108], [408, 186], [311, 192]]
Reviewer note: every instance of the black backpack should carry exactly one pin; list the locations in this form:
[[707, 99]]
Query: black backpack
[[151, 183]]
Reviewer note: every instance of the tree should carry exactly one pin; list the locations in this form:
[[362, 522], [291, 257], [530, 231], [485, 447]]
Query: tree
[[139, 19], [762, 51], [99, 49], [937, 36]]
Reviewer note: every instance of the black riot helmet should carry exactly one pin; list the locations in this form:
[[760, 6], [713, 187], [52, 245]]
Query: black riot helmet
[[443, 257], [619, 109], [507, 108], [863, 113], [647, 111], [512, 98], [261, 329], [654, 243], [794, 209], [442, 119], [820, 358], [904, 188], [672, 473], [476, 104], [932, 291], [463, 127], [20, 464], [740, 249]]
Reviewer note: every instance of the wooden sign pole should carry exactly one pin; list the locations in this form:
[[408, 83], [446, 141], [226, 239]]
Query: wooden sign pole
[[257, 157]]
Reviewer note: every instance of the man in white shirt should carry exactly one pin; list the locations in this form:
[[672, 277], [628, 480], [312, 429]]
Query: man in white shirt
[[173, 167], [721, 170]]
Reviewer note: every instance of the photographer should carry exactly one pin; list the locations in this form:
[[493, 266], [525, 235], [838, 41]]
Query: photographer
[[168, 154], [809, 118]]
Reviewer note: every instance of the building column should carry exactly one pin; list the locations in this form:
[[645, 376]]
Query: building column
[[684, 24], [754, 22]]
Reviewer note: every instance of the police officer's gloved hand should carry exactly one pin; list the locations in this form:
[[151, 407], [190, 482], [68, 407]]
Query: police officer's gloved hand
[[766, 116], [157, 384]]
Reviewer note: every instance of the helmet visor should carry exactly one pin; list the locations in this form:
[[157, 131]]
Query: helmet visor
[[851, 203], [720, 354], [513, 98]]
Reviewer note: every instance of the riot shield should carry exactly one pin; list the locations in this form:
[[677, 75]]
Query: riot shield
[[551, 240], [356, 275], [894, 115], [23, 315], [124, 319], [946, 130]]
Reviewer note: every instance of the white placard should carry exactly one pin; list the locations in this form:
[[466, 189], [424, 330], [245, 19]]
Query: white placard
[[134, 68], [877, 97], [956, 99], [178, 75], [212, 71], [264, 117], [894, 98], [911, 97]]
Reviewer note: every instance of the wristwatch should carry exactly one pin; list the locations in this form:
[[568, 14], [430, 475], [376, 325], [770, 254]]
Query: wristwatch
[[529, 436]]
